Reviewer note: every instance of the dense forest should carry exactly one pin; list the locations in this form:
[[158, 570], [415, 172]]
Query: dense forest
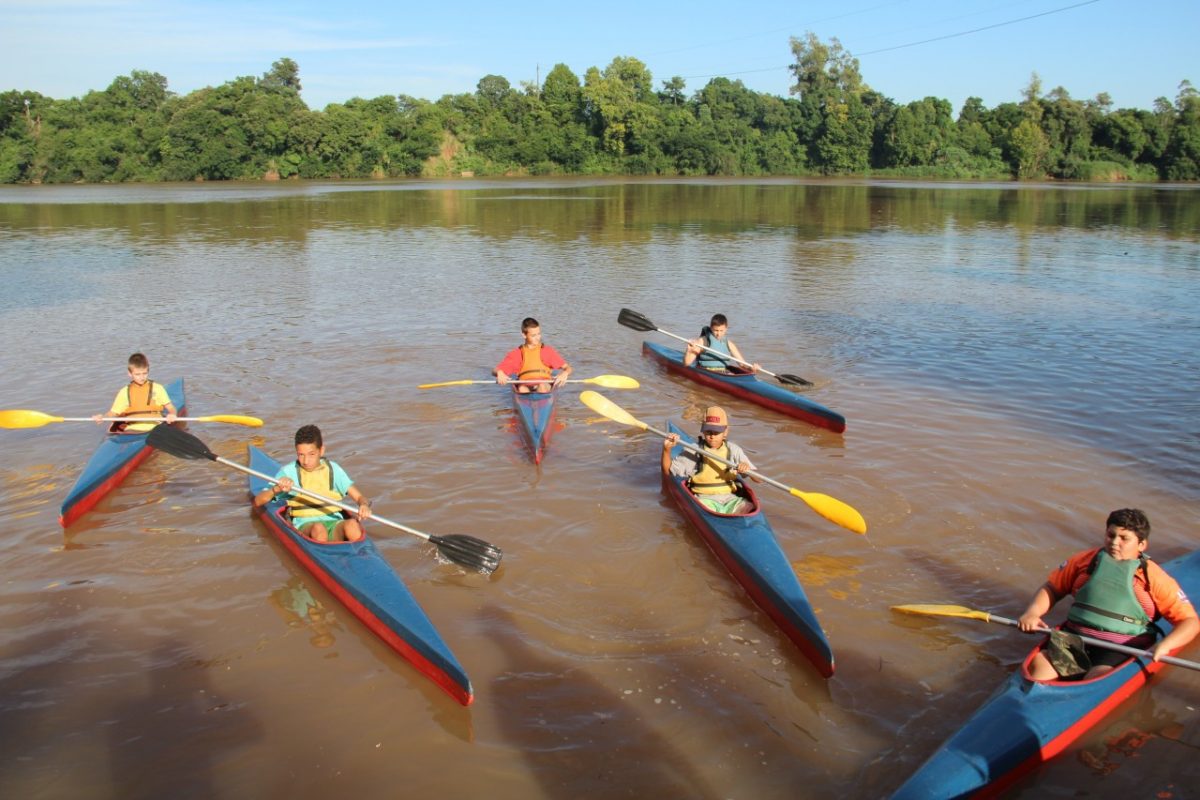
[[612, 122]]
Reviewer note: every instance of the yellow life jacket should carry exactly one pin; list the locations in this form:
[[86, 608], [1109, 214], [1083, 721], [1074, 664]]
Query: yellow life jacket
[[532, 367], [713, 477], [319, 481], [140, 400]]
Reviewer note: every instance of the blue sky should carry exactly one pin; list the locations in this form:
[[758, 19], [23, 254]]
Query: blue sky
[[908, 49]]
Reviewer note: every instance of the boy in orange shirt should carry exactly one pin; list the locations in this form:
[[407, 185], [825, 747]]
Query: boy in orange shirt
[[533, 361], [1118, 593]]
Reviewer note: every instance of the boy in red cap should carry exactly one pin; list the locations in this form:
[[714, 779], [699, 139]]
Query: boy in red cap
[[714, 484]]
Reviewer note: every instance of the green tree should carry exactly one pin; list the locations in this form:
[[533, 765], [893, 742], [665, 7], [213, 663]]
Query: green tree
[[917, 133], [284, 74], [1181, 159], [621, 107], [1029, 148], [839, 124]]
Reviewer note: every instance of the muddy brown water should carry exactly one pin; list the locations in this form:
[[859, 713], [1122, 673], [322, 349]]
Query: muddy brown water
[[1013, 363]]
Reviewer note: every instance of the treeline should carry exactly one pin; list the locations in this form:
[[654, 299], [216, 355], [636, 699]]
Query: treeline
[[613, 121]]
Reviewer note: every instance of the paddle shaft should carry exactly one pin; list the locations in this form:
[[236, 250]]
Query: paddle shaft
[[724, 356], [1120, 648], [325, 500], [134, 419]]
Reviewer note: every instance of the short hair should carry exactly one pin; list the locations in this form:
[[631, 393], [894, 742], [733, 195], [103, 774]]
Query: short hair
[[529, 322], [718, 319], [309, 434], [139, 361], [1131, 519]]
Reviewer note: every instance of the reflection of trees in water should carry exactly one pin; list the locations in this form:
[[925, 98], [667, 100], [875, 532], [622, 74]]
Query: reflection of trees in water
[[621, 212], [299, 609]]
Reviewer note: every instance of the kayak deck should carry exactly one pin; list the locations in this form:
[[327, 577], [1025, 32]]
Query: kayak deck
[[746, 545], [535, 416], [359, 577], [749, 387], [118, 455], [1026, 723]]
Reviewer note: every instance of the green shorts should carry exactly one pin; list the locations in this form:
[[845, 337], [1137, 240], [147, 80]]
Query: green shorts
[[329, 522], [722, 503]]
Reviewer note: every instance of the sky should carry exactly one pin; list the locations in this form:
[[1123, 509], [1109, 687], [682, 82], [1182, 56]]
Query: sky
[[907, 49]]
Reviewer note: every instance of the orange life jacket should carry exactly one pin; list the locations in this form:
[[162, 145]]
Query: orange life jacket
[[532, 367], [139, 398]]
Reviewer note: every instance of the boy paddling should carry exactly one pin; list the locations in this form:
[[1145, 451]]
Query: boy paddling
[[313, 472], [714, 336], [1119, 593], [533, 361], [714, 484], [141, 398]]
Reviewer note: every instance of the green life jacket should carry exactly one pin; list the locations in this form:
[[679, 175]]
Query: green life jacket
[[1107, 602]]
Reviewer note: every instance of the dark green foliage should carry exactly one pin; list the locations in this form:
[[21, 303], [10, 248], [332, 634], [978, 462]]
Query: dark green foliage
[[610, 122]]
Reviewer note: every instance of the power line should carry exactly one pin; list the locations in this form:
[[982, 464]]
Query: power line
[[910, 44]]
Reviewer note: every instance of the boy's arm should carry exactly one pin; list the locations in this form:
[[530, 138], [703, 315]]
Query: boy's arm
[[733, 350], [364, 505], [506, 366], [1180, 635], [283, 485], [1043, 600]]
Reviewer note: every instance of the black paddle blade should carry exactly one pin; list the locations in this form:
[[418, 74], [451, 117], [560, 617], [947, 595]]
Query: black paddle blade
[[469, 552], [178, 443], [793, 380], [632, 319]]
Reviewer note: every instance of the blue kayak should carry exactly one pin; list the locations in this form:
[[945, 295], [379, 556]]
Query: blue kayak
[[746, 545], [116, 457], [748, 387], [358, 576], [1026, 723], [535, 415]]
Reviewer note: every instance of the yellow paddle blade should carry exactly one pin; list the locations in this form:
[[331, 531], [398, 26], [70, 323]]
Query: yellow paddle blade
[[449, 383], [614, 381], [20, 418], [232, 419], [833, 510], [932, 610], [607, 408]]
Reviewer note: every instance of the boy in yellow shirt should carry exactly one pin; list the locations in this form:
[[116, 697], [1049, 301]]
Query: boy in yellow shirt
[[141, 398]]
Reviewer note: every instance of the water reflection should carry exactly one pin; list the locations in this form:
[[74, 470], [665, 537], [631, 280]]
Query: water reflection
[[300, 610]]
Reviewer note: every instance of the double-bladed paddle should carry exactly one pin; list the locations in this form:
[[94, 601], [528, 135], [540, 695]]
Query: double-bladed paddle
[[640, 322], [466, 551], [21, 418], [831, 508], [607, 381], [932, 610]]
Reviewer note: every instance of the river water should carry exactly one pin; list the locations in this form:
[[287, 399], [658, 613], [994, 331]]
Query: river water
[[1013, 363]]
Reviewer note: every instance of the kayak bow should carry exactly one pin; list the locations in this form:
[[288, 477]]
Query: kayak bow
[[535, 413], [746, 545]]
